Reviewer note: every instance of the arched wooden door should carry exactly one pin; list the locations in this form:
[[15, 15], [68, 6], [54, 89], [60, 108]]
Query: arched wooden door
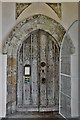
[[38, 73]]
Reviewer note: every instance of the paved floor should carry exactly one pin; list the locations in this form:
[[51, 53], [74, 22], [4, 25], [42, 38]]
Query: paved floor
[[37, 115]]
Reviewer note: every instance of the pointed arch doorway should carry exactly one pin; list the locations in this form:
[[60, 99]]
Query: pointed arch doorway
[[38, 73], [32, 31]]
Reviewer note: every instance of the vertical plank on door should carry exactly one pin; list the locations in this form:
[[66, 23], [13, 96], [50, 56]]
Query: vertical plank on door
[[34, 69], [26, 61], [43, 100], [51, 73]]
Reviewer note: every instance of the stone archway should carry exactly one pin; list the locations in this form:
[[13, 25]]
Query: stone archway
[[17, 36]]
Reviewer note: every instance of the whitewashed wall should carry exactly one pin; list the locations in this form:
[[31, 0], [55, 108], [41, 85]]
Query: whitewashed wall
[[8, 19], [0, 59], [69, 13]]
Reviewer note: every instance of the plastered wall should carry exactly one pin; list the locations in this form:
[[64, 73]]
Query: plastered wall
[[0, 59], [69, 13], [8, 18]]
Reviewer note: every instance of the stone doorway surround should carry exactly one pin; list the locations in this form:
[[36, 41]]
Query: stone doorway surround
[[15, 39]]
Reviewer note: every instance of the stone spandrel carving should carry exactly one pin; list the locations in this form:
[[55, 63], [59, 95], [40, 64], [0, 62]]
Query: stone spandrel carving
[[56, 7], [20, 7]]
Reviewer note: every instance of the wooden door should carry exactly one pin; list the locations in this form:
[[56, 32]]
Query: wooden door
[[38, 90]]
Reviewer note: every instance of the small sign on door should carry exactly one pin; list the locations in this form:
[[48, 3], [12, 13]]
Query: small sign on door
[[27, 70], [27, 73], [27, 79]]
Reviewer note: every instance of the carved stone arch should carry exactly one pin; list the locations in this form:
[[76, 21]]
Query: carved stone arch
[[16, 37], [33, 23]]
